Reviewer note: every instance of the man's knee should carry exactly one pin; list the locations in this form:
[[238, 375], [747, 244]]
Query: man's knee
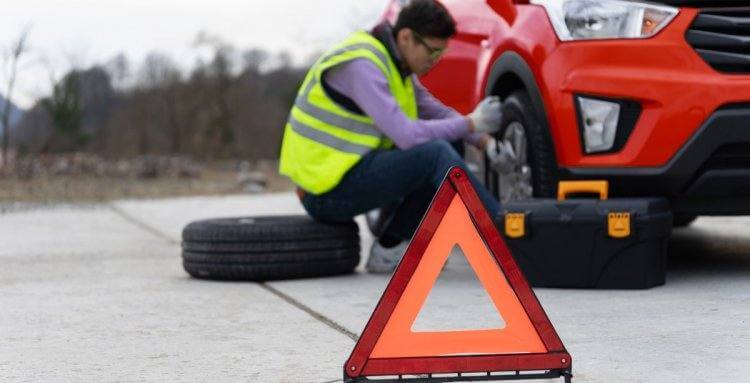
[[442, 150], [443, 156]]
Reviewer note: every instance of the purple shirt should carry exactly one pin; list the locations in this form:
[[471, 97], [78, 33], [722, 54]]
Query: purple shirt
[[364, 83]]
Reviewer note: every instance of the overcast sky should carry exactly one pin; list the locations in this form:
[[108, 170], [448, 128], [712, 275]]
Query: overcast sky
[[67, 33]]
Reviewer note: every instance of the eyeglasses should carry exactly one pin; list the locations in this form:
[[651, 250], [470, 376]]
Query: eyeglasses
[[435, 53]]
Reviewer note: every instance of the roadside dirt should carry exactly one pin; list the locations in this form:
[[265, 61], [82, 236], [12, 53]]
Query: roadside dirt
[[80, 179]]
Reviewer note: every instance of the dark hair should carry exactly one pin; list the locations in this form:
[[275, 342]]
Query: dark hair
[[429, 18]]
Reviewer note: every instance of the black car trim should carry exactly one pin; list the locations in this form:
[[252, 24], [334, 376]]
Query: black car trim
[[512, 63], [630, 113]]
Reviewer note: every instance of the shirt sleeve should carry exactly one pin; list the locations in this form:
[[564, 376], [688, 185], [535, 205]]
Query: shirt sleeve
[[364, 83], [432, 108]]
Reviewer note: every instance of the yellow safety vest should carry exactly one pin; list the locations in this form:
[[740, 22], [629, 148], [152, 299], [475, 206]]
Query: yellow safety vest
[[322, 140]]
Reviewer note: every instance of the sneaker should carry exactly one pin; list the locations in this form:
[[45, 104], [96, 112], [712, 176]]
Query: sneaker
[[384, 260]]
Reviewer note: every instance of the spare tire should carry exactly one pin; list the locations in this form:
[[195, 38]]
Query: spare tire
[[269, 248], [277, 228]]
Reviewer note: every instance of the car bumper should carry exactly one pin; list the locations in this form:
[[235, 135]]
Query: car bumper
[[675, 88], [709, 175]]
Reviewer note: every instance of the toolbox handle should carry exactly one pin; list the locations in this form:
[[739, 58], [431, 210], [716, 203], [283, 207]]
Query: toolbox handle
[[566, 188]]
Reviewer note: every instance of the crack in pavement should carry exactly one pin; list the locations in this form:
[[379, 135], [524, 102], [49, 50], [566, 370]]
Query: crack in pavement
[[286, 298], [320, 317], [143, 225]]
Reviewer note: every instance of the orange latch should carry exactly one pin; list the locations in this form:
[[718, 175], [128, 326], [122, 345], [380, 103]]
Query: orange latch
[[619, 225], [515, 225]]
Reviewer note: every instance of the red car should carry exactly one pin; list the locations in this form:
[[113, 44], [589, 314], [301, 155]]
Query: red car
[[652, 96]]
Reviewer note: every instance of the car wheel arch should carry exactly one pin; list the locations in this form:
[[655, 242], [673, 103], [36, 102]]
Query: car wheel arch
[[509, 73]]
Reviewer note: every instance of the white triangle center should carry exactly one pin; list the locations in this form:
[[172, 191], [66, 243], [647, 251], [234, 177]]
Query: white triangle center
[[457, 301]]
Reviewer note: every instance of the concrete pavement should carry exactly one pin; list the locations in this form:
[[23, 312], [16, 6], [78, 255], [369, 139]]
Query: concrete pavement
[[97, 293]]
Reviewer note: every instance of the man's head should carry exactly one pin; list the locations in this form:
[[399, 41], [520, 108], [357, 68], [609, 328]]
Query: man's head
[[422, 32]]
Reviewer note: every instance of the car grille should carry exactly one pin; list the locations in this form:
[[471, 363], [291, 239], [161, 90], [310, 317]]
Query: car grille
[[721, 36]]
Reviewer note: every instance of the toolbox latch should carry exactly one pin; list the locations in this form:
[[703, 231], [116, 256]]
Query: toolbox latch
[[515, 225], [619, 225]]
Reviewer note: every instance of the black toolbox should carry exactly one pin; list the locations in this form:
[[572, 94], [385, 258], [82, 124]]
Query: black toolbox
[[589, 243]]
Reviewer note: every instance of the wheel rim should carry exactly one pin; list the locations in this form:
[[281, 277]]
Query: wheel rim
[[516, 183]]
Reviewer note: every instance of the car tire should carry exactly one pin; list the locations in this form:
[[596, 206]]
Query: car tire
[[262, 229], [269, 248], [518, 111], [269, 272], [299, 245]]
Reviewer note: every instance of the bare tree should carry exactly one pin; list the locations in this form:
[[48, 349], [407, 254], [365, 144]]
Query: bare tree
[[160, 78], [66, 111], [118, 68], [18, 48], [219, 75], [254, 60]]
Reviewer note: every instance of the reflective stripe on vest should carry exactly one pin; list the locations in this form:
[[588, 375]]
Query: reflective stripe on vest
[[383, 58], [333, 118], [322, 140], [328, 139]]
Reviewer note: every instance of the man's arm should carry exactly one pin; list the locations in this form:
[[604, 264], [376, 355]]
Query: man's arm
[[365, 84], [432, 108]]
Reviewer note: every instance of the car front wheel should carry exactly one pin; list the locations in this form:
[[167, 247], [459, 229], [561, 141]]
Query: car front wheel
[[534, 172]]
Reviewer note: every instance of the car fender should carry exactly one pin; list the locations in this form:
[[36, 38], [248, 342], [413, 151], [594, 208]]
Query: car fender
[[512, 63]]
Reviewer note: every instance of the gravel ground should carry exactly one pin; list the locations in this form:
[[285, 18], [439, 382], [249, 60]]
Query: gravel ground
[[53, 183]]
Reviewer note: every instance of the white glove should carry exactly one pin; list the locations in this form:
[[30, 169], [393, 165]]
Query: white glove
[[502, 158], [486, 117]]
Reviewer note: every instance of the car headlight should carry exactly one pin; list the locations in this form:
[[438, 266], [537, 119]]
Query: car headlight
[[606, 19]]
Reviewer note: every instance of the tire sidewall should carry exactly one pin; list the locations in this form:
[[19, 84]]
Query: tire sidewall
[[517, 107]]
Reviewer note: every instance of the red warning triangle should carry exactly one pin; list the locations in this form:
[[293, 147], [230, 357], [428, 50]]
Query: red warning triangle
[[528, 342]]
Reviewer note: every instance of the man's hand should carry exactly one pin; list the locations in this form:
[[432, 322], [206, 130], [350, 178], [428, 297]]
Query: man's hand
[[487, 115], [502, 157]]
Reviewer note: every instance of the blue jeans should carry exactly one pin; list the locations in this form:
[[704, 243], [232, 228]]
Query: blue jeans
[[407, 177]]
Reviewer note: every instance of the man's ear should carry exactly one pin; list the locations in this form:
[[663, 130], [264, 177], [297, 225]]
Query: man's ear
[[404, 36]]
